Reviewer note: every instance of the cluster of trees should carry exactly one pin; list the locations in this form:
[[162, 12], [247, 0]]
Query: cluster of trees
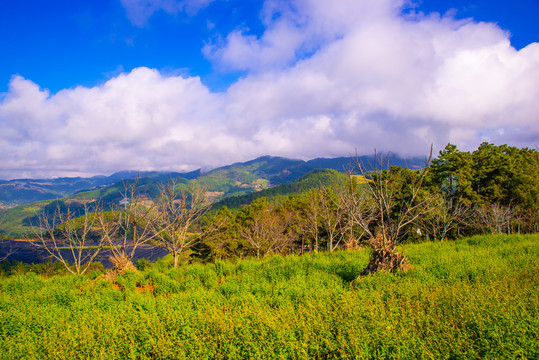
[[75, 239], [492, 190]]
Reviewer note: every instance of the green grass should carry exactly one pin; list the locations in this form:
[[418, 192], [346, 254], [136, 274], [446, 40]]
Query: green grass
[[473, 298]]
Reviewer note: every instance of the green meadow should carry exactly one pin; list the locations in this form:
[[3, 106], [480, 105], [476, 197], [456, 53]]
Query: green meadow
[[467, 299]]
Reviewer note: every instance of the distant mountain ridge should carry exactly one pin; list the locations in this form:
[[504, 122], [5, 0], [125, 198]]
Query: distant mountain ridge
[[231, 185], [235, 179], [22, 191], [345, 162]]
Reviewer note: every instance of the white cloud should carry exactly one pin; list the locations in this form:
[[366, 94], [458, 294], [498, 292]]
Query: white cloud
[[139, 11], [321, 81], [295, 29], [140, 120], [382, 76]]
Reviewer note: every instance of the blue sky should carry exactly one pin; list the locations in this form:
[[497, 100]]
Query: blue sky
[[92, 87], [63, 43]]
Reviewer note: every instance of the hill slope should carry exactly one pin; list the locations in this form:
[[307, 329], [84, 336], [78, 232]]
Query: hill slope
[[239, 179], [22, 191], [314, 179]]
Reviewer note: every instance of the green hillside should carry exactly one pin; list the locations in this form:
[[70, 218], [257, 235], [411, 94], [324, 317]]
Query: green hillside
[[257, 174], [23, 191], [18, 220], [231, 185], [313, 179]]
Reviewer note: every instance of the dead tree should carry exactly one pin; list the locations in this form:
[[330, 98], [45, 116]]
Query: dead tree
[[67, 237], [393, 218], [446, 216], [308, 220], [128, 226], [265, 231], [10, 251], [494, 218], [312, 218], [357, 203], [178, 215], [333, 218], [219, 235]]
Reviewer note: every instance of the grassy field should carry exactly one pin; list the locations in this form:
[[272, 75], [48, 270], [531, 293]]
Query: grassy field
[[473, 298]]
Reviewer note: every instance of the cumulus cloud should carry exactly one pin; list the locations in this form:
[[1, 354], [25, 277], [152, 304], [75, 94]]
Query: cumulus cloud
[[385, 79], [140, 120], [295, 29], [139, 11], [320, 81]]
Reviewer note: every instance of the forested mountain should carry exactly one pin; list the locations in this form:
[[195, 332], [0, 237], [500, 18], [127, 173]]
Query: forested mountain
[[344, 163], [314, 179], [246, 179], [236, 179], [22, 191]]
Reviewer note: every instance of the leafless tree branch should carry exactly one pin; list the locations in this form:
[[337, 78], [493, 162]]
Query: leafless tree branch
[[66, 237]]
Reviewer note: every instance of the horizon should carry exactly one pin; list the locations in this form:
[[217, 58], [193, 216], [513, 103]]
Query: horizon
[[203, 170], [176, 85]]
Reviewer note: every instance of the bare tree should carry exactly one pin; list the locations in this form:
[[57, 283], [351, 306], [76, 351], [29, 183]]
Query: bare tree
[[393, 219], [308, 220], [529, 221], [333, 218], [219, 235], [494, 218], [130, 225], [67, 237], [358, 205], [178, 215], [446, 215], [312, 218], [10, 251], [265, 232]]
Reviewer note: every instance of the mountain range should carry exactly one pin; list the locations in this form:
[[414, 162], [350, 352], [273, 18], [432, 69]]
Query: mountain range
[[233, 185], [235, 179]]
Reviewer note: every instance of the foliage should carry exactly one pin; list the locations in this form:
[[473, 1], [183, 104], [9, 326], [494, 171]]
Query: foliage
[[472, 298], [492, 179], [313, 180]]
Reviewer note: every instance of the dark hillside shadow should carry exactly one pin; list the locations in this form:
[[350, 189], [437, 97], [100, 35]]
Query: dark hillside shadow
[[27, 253]]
